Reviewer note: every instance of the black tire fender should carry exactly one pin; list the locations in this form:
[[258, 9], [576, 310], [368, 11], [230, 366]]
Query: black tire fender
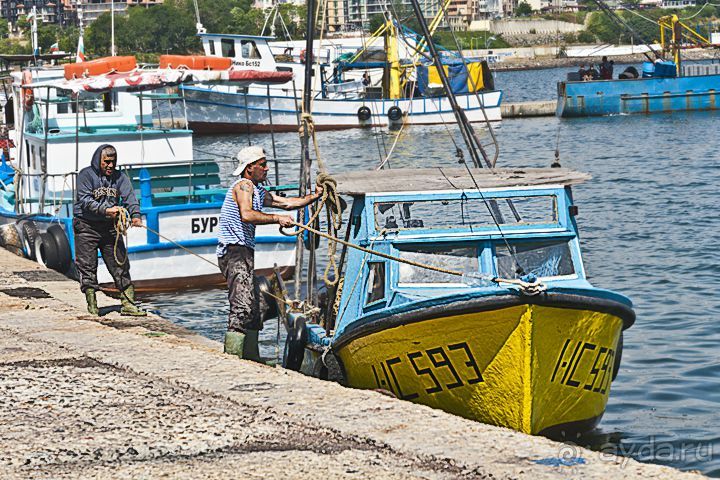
[[364, 114], [295, 344], [29, 235], [46, 250], [61, 241], [52, 249], [394, 113]]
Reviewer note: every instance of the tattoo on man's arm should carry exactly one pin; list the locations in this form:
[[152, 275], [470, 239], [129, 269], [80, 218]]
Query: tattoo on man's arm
[[246, 188]]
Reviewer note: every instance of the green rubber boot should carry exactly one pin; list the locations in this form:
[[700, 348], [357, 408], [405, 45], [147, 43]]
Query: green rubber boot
[[251, 351], [91, 300], [234, 343], [129, 308], [243, 345]]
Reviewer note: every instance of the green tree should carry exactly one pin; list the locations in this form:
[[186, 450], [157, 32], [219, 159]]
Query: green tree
[[523, 9], [376, 21]]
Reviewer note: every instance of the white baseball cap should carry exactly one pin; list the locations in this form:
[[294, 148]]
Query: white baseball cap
[[246, 156]]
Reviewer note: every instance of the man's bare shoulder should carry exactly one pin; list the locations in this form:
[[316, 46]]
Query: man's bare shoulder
[[244, 185]]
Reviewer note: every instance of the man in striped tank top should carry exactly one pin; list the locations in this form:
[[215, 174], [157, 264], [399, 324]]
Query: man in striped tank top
[[240, 213]]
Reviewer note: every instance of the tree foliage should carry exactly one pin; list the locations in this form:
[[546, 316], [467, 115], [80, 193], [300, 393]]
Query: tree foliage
[[523, 9]]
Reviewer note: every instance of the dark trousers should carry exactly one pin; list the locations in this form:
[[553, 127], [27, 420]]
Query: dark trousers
[[238, 266], [91, 236]]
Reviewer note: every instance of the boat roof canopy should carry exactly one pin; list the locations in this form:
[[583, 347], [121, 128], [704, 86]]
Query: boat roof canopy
[[435, 179], [235, 35]]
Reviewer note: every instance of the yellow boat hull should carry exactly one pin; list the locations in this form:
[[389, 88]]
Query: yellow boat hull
[[533, 368]]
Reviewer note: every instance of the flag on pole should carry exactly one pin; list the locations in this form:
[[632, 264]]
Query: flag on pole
[[80, 55], [54, 47]]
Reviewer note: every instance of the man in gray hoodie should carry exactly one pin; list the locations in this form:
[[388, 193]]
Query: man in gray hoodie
[[101, 189]]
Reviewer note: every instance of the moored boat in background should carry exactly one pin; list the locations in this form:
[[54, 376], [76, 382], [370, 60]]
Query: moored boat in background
[[65, 114]]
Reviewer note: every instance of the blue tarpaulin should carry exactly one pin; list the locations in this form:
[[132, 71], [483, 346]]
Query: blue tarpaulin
[[457, 74]]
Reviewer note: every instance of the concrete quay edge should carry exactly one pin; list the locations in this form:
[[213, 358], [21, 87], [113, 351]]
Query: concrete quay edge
[[544, 108], [148, 399]]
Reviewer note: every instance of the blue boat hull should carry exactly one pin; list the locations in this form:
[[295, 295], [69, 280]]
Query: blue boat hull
[[641, 95]]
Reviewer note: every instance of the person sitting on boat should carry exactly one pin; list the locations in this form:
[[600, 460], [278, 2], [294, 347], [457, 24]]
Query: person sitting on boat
[[240, 213], [582, 72], [366, 79], [606, 69], [591, 73], [97, 207]]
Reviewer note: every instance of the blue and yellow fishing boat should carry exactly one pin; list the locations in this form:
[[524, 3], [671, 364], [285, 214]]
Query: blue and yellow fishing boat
[[465, 290]]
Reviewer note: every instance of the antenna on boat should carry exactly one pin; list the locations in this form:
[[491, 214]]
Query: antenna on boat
[[198, 24], [305, 160], [468, 132]]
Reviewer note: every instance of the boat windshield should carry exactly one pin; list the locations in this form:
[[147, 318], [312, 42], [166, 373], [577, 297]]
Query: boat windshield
[[464, 213], [541, 258], [463, 259]]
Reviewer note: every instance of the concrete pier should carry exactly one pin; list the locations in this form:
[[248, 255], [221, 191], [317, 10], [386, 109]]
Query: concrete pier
[[113, 397], [528, 109]]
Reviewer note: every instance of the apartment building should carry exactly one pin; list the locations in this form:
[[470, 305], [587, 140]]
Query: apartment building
[[359, 12], [92, 9], [49, 11]]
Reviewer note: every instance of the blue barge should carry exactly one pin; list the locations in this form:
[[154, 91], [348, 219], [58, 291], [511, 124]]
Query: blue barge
[[639, 95]]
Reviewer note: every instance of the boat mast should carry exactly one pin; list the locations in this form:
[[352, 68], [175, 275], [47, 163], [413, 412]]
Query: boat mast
[[393, 59], [468, 132], [306, 161]]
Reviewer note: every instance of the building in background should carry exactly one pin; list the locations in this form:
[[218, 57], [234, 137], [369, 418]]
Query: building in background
[[359, 12], [49, 11]]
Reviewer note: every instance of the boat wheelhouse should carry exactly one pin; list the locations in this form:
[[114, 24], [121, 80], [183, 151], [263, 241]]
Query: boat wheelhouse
[[467, 292]]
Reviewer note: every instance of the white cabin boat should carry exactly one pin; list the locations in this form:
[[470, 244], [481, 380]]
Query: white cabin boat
[[180, 197], [347, 104]]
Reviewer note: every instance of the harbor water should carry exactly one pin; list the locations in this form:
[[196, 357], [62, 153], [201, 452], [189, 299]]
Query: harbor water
[[649, 229]]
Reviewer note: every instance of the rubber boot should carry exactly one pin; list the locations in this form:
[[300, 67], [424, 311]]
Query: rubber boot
[[251, 351], [91, 300], [234, 343], [127, 298]]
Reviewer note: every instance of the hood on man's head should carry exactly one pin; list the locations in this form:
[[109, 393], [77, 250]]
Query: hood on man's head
[[96, 156]]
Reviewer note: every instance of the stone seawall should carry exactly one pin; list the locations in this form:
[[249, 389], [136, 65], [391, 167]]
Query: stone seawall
[[115, 397]]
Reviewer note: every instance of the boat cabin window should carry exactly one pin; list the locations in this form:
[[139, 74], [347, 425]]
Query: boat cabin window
[[228, 47], [211, 45], [462, 259], [249, 49], [542, 258], [465, 213], [375, 286]]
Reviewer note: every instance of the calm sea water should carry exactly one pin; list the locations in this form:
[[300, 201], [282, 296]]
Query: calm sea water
[[649, 229]]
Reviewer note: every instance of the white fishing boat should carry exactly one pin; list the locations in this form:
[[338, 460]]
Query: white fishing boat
[[62, 120], [403, 92]]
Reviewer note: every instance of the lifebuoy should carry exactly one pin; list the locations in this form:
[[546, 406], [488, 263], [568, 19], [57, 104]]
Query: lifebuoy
[[295, 344], [394, 114], [29, 235], [52, 249], [364, 114], [28, 97]]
